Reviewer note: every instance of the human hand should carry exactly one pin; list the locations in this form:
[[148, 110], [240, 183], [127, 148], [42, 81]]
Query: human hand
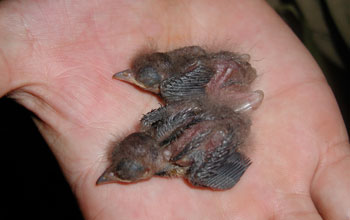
[[57, 59]]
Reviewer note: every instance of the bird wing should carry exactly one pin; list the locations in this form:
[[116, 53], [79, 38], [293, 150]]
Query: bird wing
[[189, 84], [221, 174]]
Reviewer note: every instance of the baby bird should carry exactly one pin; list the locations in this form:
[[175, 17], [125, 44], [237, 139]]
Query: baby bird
[[199, 132], [192, 73], [195, 140]]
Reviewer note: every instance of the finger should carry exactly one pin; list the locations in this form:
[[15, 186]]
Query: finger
[[331, 185]]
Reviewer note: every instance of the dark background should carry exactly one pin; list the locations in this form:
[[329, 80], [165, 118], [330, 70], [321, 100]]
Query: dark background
[[34, 182]]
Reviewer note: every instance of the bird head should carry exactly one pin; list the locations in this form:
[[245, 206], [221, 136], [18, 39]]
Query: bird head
[[133, 159], [147, 71]]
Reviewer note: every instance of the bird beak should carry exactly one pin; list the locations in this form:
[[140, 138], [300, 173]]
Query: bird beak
[[103, 179], [109, 177], [129, 76]]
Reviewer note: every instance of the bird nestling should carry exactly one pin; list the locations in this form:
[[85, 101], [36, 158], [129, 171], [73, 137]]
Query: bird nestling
[[200, 130]]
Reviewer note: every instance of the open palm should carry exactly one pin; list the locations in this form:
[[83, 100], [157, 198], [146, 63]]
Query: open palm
[[60, 57]]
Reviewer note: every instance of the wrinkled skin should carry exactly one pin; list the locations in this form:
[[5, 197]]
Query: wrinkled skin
[[57, 58]]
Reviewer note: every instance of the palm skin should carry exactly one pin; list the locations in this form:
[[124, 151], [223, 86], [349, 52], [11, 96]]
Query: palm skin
[[58, 58]]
